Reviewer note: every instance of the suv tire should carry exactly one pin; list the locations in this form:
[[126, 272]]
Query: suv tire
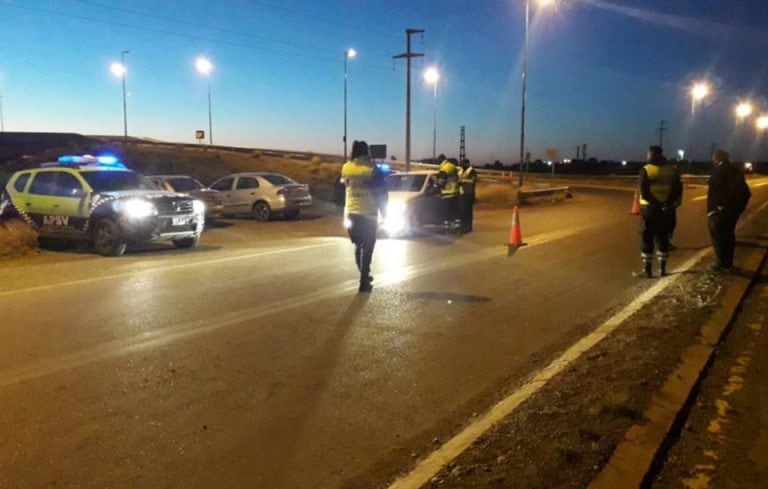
[[108, 239]]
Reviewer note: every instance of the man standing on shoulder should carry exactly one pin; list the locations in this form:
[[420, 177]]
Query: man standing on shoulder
[[467, 184], [448, 180], [366, 196], [727, 197], [660, 188]]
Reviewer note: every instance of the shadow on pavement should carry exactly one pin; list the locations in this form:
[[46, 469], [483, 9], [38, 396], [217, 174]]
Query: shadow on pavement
[[447, 297]]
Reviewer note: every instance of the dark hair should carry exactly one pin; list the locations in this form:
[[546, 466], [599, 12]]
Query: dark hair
[[656, 150], [359, 148], [441, 158], [465, 162]]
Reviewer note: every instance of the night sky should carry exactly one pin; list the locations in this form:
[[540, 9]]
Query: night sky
[[601, 72]]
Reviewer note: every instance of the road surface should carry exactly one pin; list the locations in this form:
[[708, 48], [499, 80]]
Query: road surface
[[252, 361]]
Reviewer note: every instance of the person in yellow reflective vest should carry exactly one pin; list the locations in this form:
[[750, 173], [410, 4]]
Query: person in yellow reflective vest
[[366, 196], [448, 181], [467, 184], [660, 189]]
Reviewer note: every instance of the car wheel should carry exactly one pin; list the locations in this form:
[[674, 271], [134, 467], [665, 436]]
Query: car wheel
[[292, 215], [261, 211], [186, 242], [108, 240]]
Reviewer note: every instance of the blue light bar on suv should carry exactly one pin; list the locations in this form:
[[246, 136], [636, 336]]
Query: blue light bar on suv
[[105, 160]]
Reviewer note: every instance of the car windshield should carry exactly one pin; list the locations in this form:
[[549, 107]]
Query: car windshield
[[185, 184], [405, 183], [276, 179], [110, 181]]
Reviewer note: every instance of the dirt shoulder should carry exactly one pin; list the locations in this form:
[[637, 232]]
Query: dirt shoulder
[[565, 433]]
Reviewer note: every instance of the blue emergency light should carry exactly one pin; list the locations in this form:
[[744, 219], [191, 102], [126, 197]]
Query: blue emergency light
[[104, 160]]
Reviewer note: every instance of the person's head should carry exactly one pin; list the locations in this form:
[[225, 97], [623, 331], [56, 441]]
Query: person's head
[[720, 156], [441, 158], [465, 163], [655, 153], [359, 148], [454, 161]]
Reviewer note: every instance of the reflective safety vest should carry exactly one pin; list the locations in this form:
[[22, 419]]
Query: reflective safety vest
[[660, 179], [449, 179], [358, 178], [467, 180]]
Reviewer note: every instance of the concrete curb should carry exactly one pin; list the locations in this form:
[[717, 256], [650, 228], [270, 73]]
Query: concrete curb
[[635, 458]]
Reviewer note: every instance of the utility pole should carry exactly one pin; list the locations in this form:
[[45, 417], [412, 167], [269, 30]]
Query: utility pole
[[661, 130], [578, 152], [408, 55], [462, 146], [584, 151]]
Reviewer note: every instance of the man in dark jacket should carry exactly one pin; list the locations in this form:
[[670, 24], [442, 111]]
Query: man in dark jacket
[[660, 190], [727, 198]]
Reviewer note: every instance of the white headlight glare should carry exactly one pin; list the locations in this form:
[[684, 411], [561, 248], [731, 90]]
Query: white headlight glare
[[198, 206], [138, 208], [395, 208]]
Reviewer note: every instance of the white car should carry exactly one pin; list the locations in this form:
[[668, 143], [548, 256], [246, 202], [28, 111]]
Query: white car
[[414, 202], [261, 195]]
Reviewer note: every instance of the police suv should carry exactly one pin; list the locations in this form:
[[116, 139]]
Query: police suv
[[99, 199]]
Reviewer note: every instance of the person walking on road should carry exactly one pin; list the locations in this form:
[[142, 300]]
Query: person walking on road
[[467, 184], [448, 180], [366, 196], [660, 188], [727, 197]]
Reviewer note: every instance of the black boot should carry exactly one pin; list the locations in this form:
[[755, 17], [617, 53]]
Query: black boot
[[646, 272], [663, 268], [365, 283]]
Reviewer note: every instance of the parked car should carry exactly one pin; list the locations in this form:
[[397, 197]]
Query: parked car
[[414, 202], [183, 184], [100, 200], [261, 195]]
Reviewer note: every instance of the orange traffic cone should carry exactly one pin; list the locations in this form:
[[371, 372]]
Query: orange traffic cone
[[515, 237], [635, 205]]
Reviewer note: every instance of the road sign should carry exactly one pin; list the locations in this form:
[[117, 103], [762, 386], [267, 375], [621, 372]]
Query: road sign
[[378, 151], [200, 135]]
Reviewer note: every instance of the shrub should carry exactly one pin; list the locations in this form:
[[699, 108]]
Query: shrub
[[16, 238]]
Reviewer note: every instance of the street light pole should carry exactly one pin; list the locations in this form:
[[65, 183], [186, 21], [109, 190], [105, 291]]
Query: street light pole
[[204, 67], [349, 53], [525, 93], [432, 76], [125, 103]]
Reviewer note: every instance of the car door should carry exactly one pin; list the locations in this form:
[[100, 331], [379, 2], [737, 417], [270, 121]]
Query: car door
[[245, 193], [227, 196], [57, 203], [431, 202]]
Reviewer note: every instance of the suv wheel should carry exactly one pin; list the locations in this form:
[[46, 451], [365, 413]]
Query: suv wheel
[[261, 211], [108, 240], [186, 242]]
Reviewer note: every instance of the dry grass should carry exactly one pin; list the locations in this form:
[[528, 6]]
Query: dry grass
[[16, 239], [497, 194]]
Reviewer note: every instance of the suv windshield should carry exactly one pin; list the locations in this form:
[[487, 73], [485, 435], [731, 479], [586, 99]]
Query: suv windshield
[[110, 181], [405, 183], [185, 184], [275, 179]]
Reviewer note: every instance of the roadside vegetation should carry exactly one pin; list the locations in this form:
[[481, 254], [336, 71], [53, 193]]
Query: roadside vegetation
[[16, 239]]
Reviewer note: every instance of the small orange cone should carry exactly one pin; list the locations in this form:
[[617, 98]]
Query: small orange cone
[[635, 205], [515, 236]]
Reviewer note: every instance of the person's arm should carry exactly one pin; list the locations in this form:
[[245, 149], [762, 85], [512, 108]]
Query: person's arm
[[645, 189], [676, 196], [716, 191]]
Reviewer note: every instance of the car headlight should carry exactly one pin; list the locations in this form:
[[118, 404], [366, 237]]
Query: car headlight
[[395, 220], [138, 208], [198, 206]]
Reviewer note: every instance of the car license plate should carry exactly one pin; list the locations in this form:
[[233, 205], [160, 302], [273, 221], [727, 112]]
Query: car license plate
[[180, 220]]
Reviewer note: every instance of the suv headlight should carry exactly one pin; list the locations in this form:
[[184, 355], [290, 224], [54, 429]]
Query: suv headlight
[[198, 206], [138, 208], [395, 220]]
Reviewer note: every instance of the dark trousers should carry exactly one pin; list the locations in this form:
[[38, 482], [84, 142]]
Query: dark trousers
[[362, 232], [722, 230], [467, 204], [451, 209], [658, 224]]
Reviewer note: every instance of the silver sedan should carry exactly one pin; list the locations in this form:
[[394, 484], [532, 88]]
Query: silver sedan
[[262, 195]]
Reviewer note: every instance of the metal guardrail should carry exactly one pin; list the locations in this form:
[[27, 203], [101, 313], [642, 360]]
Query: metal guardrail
[[524, 195]]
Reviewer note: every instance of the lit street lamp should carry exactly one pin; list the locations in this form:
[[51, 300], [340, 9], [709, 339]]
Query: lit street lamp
[[348, 54], [743, 110], [699, 92], [119, 70], [542, 3], [432, 76], [762, 123], [204, 67]]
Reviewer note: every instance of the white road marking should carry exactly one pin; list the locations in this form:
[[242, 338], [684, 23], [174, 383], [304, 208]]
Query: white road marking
[[170, 334], [437, 460], [188, 264]]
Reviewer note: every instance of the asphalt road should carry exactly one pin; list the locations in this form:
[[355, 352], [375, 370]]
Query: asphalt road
[[251, 361]]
